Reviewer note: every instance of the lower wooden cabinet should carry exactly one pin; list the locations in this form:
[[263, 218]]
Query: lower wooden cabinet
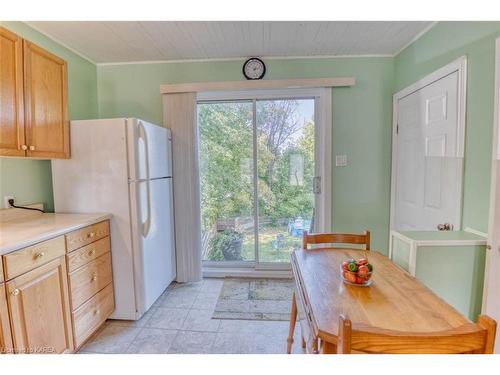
[[5, 335], [40, 310], [55, 294]]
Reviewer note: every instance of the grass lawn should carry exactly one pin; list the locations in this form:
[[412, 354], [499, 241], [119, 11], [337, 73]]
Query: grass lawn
[[266, 251]]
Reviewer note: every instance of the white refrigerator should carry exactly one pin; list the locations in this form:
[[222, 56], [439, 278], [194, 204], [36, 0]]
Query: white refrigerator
[[123, 166]]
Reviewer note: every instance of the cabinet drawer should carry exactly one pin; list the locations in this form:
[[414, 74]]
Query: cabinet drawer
[[84, 236], [89, 279], [92, 314], [22, 261], [85, 254]]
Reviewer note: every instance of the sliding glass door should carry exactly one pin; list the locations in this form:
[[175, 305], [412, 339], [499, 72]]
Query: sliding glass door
[[258, 178], [226, 153], [285, 172]]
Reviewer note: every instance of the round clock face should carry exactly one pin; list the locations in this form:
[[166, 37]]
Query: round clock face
[[254, 68]]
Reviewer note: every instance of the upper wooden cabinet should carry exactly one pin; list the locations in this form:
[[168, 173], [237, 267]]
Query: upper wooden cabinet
[[45, 95], [34, 115], [11, 94]]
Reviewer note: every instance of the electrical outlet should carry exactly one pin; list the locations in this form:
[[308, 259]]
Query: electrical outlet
[[6, 200], [340, 160]]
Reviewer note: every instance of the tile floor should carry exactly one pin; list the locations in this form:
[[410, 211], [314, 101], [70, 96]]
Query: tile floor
[[181, 322]]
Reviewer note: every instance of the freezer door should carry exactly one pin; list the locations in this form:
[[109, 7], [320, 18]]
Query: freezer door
[[156, 267], [149, 150]]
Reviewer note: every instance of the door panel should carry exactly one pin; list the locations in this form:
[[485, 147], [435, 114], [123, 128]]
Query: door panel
[[428, 180], [286, 165], [11, 94], [156, 244], [151, 142], [5, 335], [47, 127], [227, 181], [40, 311]]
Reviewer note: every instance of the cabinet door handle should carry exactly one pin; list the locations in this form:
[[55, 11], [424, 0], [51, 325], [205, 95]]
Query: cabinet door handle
[[15, 292], [24, 147], [91, 252], [94, 277], [90, 235], [39, 255], [32, 148]]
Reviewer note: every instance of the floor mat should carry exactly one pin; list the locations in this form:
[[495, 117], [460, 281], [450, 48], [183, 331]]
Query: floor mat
[[255, 299]]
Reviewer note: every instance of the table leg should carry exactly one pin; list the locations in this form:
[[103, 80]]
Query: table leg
[[293, 320], [328, 348]]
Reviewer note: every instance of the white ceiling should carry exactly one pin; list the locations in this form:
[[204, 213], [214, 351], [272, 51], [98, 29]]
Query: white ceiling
[[115, 42]]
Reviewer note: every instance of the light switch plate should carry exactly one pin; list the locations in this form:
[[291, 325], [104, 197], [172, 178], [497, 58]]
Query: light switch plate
[[340, 160]]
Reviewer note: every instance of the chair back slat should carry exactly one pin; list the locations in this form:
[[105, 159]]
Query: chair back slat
[[470, 338], [337, 238]]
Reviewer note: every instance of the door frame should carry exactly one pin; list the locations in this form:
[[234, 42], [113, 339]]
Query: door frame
[[323, 164], [495, 183], [459, 65]]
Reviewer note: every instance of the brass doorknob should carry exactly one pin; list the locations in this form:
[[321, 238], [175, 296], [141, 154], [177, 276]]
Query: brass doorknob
[[24, 147], [32, 148]]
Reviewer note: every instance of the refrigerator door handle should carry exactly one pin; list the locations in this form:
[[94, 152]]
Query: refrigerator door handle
[[146, 225]]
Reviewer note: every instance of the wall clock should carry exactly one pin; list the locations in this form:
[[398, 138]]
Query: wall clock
[[254, 68]]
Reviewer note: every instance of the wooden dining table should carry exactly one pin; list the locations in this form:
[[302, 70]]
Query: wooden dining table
[[395, 300]]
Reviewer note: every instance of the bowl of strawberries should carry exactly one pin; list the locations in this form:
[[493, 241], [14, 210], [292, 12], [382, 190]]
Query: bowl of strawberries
[[356, 272]]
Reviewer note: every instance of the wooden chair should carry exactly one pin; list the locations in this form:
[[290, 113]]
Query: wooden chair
[[323, 238], [336, 238], [469, 338]]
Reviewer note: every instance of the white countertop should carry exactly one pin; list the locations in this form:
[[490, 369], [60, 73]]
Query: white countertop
[[21, 232]]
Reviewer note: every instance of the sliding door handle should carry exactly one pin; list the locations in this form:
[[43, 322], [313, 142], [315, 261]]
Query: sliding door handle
[[317, 185]]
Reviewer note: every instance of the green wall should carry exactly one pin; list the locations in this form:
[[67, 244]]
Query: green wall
[[444, 43], [30, 180], [362, 116], [361, 121]]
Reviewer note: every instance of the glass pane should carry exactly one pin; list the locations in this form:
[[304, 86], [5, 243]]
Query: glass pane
[[285, 131], [226, 177]]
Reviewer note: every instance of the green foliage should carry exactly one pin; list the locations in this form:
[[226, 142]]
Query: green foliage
[[226, 161], [225, 245], [225, 144]]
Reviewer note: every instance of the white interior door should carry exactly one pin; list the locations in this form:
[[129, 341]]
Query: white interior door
[[428, 170]]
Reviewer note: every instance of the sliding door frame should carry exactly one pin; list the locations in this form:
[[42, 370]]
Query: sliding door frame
[[323, 165]]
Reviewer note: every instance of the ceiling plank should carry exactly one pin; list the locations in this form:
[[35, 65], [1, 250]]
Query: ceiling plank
[[134, 41]]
